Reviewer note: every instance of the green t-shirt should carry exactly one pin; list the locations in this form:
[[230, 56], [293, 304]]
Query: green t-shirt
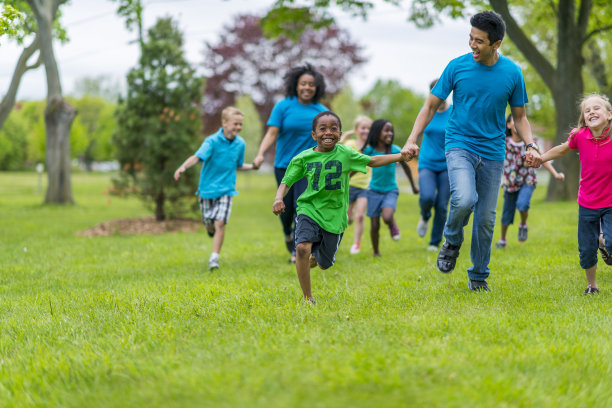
[[326, 197]]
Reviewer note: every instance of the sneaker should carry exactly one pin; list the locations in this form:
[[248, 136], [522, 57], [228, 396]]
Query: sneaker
[[500, 244], [395, 232], [355, 248], [432, 248], [605, 255], [422, 227], [591, 290], [313, 262], [477, 286], [211, 231], [289, 245], [447, 257], [522, 233], [213, 264]]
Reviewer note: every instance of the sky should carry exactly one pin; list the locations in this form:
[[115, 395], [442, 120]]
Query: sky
[[101, 45]]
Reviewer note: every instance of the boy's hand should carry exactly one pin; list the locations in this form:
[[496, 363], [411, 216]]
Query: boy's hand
[[278, 206], [178, 173], [258, 160]]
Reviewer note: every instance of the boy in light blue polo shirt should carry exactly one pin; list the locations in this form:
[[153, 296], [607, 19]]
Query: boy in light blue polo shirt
[[221, 154]]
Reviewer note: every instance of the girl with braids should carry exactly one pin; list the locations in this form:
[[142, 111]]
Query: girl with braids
[[383, 191], [290, 126], [593, 140]]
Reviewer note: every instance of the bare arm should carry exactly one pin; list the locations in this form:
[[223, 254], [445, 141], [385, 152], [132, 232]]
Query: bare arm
[[191, 160], [411, 149], [555, 174], [384, 159], [523, 128], [266, 143], [279, 206], [556, 152], [247, 166], [406, 168]]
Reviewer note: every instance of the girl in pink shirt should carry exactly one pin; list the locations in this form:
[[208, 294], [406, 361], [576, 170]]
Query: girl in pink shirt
[[593, 140]]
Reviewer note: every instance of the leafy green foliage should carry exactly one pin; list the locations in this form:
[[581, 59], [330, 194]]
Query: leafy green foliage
[[10, 19], [158, 122], [13, 143], [389, 100]]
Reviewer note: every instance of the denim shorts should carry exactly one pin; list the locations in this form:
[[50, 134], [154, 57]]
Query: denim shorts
[[355, 193], [516, 200], [377, 200]]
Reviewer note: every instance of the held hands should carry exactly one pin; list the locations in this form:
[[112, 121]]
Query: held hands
[[410, 151], [278, 206], [258, 160], [533, 158]]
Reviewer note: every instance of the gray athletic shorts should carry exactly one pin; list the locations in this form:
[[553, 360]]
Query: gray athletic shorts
[[324, 244], [215, 209]]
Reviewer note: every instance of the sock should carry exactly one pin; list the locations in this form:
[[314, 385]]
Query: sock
[[501, 240]]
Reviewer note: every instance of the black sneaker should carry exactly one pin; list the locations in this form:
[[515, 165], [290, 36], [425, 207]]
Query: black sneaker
[[478, 286], [447, 258], [605, 255], [591, 290], [211, 231], [522, 233]]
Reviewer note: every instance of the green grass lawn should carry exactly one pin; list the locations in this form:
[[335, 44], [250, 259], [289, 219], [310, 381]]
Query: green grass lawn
[[138, 320]]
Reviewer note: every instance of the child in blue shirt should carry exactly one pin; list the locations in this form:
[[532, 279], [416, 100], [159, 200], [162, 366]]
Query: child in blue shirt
[[221, 154], [383, 191]]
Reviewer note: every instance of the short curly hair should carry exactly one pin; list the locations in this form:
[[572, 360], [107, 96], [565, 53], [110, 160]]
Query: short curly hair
[[490, 22], [292, 77]]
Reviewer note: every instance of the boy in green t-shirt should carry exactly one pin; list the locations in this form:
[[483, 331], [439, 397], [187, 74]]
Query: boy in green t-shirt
[[321, 214]]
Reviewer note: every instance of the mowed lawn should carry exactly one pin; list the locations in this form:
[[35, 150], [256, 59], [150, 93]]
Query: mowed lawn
[[138, 321]]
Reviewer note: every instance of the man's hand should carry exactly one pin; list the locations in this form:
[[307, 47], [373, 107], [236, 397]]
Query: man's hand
[[278, 206], [533, 158], [259, 159], [410, 151]]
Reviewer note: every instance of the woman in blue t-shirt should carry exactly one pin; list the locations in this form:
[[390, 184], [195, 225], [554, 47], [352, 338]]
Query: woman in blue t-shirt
[[433, 176], [290, 126]]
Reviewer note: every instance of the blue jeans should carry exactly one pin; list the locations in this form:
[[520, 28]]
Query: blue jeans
[[589, 221], [520, 200], [435, 193], [474, 184]]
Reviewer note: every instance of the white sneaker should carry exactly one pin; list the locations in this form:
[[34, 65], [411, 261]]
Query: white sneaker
[[422, 227], [432, 248], [213, 264], [355, 248]]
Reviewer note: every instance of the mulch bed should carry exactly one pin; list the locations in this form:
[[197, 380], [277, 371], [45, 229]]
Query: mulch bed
[[137, 226]]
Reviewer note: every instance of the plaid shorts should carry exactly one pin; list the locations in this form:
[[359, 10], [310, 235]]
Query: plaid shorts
[[215, 209]]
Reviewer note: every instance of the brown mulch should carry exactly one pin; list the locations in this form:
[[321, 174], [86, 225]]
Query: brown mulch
[[137, 226]]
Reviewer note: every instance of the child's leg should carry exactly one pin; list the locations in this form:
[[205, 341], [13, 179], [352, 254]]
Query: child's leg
[[302, 265], [387, 215], [374, 228], [588, 242], [508, 212], [360, 209], [219, 236], [591, 276], [349, 212]]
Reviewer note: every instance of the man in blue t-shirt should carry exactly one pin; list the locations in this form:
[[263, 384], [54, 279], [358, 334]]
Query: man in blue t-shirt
[[483, 83]]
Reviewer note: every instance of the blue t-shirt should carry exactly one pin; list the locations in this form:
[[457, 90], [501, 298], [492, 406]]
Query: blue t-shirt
[[480, 96], [383, 178], [294, 122], [431, 155], [220, 157]]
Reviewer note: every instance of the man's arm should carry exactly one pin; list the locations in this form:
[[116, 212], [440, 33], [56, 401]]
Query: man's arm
[[523, 128], [186, 164], [266, 143], [411, 149]]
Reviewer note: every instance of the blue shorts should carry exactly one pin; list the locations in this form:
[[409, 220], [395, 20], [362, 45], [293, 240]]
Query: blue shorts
[[377, 200], [355, 193], [324, 244]]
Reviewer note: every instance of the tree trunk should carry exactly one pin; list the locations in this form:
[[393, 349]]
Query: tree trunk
[[58, 114], [160, 215]]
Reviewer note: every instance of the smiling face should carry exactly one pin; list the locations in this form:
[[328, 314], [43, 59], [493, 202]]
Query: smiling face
[[327, 133], [386, 135], [306, 88], [362, 130], [595, 113], [232, 126], [482, 49]]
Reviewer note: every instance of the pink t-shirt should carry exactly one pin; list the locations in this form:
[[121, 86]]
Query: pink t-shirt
[[595, 189]]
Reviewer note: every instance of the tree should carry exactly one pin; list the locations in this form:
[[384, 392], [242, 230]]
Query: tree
[[244, 62], [388, 100], [556, 52], [158, 121]]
